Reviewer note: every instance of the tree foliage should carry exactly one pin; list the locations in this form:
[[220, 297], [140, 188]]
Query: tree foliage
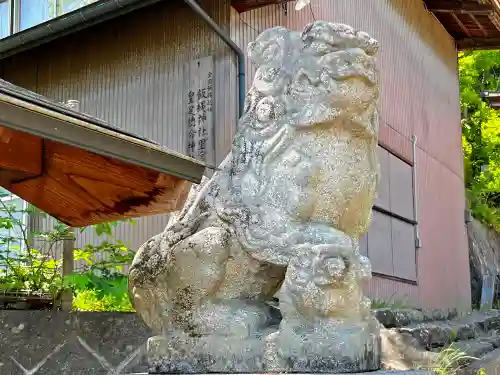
[[29, 261], [479, 71]]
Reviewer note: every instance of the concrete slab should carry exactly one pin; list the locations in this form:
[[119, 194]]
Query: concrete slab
[[381, 372]]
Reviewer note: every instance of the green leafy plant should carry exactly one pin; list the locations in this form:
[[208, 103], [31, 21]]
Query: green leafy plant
[[90, 300], [102, 284], [450, 360], [28, 261], [479, 71]]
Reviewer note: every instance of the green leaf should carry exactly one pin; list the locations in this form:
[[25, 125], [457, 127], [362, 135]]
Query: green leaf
[[479, 71]]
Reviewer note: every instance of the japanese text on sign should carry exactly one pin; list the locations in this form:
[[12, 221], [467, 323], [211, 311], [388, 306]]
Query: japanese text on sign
[[200, 115]]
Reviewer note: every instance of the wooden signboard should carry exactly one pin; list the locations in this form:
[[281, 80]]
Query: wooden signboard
[[200, 110]]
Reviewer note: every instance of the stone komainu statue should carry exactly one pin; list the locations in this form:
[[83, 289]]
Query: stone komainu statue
[[284, 215]]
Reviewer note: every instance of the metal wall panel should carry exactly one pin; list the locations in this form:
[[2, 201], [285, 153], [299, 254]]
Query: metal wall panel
[[383, 289], [383, 193], [390, 242], [401, 187], [403, 250], [443, 260], [380, 244]]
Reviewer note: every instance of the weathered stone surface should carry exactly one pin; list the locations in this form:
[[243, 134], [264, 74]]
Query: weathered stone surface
[[493, 339], [461, 330], [431, 334], [380, 372], [491, 320], [437, 314], [285, 210], [490, 363], [474, 348], [395, 318], [204, 355], [484, 257], [483, 321], [401, 351]]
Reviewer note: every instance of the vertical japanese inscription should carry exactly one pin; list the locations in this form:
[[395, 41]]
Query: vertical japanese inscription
[[200, 110]]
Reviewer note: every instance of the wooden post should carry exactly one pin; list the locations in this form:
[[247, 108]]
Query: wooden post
[[69, 245], [67, 269]]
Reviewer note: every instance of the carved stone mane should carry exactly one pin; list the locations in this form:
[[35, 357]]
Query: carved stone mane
[[295, 191], [322, 81]]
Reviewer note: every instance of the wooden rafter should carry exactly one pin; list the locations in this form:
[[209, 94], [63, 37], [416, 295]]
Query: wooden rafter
[[467, 7], [481, 27], [459, 23]]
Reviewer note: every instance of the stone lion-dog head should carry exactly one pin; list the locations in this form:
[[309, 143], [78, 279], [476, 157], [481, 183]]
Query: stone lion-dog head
[[305, 149]]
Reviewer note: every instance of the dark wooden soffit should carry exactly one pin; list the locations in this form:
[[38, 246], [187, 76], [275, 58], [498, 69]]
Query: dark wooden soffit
[[246, 5], [83, 173], [472, 23]]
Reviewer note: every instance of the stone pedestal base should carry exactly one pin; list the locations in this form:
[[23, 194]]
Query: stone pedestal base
[[380, 372], [348, 351], [302, 348], [213, 354]]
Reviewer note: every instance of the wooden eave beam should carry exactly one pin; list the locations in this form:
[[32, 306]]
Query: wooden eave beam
[[483, 43], [465, 7], [242, 6]]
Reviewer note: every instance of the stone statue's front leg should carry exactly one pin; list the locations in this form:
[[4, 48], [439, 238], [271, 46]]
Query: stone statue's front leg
[[219, 317], [327, 324]]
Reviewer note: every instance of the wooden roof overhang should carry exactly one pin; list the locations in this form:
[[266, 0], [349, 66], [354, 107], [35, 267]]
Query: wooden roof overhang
[[246, 5], [80, 169], [472, 23]]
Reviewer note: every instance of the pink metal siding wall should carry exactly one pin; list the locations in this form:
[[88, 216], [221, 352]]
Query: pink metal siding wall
[[419, 96]]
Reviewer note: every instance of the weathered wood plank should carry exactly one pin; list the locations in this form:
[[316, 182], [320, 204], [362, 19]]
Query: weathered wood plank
[[20, 155], [482, 43], [469, 7], [246, 5], [81, 188]]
